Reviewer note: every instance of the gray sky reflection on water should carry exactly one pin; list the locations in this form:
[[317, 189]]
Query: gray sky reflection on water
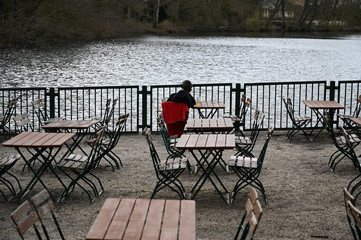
[[169, 60]]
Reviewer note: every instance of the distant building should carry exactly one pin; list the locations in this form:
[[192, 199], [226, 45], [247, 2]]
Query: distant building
[[273, 9]]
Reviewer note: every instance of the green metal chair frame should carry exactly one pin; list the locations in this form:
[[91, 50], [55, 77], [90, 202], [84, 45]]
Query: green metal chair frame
[[170, 142], [299, 122], [248, 170], [245, 145], [356, 113], [167, 171], [81, 166], [340, 144], [108, 144], [6, 163], [349, 150]]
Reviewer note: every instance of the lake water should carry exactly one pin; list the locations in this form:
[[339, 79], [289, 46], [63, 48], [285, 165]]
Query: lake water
[[152, 60]]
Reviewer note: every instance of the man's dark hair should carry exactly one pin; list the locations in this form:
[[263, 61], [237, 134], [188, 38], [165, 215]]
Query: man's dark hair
[[186, 85]]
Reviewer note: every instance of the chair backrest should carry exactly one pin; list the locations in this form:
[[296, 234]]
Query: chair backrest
[[356, 214], [120, 125], [109, 111], [40, 110], [43, 205], [349, 149], [95, 154], [258, 119], [25, 217], [172, 152], [23, 123], [251, 217], [329, 128], [289, 107], [9, 112], [264, 149], [357, 110], [243, 108], [153, 151]]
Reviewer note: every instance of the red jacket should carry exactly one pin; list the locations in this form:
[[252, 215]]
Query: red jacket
[[174, 112], [175, 116]]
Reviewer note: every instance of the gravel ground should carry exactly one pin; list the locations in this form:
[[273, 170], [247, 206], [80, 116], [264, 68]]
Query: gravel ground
[[305, 199]]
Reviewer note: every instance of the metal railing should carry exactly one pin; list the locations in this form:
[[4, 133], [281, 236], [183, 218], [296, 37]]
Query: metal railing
[[143, 103]]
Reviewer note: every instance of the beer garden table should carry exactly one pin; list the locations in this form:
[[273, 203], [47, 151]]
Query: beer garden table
[[318, 107], [145, 219], [210, 147], [43, 146], [210, 108], [215, 125], [81, 126]]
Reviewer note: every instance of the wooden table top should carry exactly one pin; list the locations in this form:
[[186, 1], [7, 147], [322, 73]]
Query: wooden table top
[[206, 141], [356, 120], [209, 124], [145, 219], [315, 104], [209, 105], [70, 124], [38, 139]]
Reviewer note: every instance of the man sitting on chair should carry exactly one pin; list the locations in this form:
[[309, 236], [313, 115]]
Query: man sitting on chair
[[175, 109]]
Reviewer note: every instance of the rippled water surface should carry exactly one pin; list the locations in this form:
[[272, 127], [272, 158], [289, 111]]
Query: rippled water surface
[[169, 60]]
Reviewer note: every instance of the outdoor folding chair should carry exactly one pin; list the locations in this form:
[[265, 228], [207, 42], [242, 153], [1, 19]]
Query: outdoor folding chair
[[34, 213], [340, 144], [169, 142], [250, 218], [5, 119], [245, 145], [43, 204], [356, 113], [168, 170], [348, 197], [239, 117], [109, 143], [248, 169], [81, 167], [299, 122], [349, 150], [108, 114], [41, 113], [356, 214], [6, 163]]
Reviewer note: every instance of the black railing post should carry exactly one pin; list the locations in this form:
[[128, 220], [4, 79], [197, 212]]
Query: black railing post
[[237, 100], [52, 96], [332, 90], [144, 94]]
